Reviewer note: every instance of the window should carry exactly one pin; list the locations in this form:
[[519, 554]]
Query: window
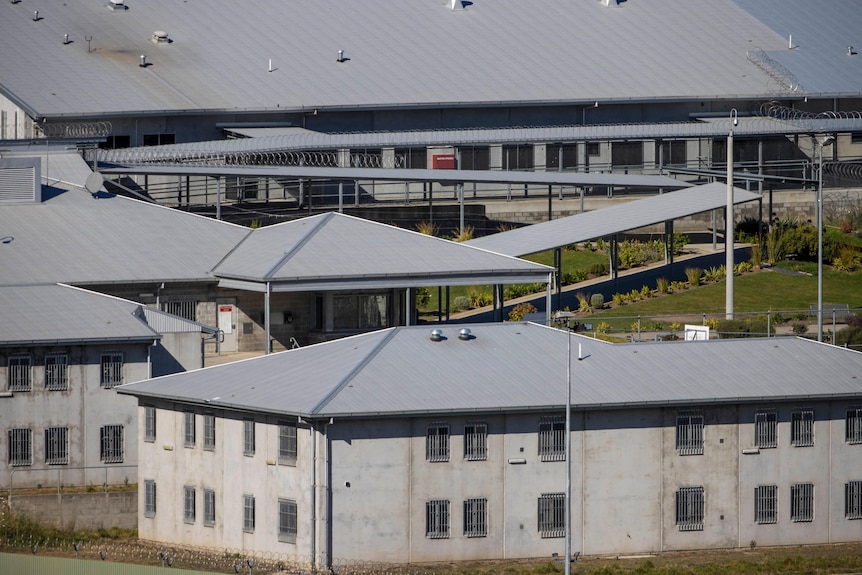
[[476, 517], [19, 373], [766, 504], [248, 437], [111, 444], [188, 504], [411, 158], [112, 369], [189, 429], [670, 152], [287, 520], [475, 158], [552, 438], [209, 432], [552, 515], [802, 427], [115, 142], [561, 156], [149, 423], [689, 508], [802, 502], [593, 149], [56, 372], [360, 311], [853, 427], [437, 519], [627, 154], [437, 442], [476, 441], [518, 157], [57, 446], [287, 443], [20, 447], [186, 309], [209, 507], [149, 498], [689, 433], [853, 500], [766, 429], [159, 139], [248, 513]]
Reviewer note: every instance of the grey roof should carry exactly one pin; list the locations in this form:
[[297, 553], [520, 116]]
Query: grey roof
[[614, 219], [54, 314], [511, 367], [443, 176], [335, 251], [418, 54]]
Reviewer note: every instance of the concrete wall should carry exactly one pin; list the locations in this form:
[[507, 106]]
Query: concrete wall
[[73, 511]]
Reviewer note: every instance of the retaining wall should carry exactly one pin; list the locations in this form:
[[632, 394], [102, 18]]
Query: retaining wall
[[71, 511]]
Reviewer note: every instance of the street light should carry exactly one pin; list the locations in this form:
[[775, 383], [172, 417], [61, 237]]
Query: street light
[[728, 220], [568, 522], [821, 142]]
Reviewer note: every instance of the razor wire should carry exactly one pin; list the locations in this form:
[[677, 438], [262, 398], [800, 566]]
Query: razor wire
[[774, 70], [74, 129], [781, 112]]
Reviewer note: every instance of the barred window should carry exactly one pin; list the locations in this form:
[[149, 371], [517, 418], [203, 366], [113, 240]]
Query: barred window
[[19, 373], [57, 445], [690, 508], [476, 517], [437, 442], [853, 500], [209, 432], [476, 441], [111, 444], [20, 447], [188, 429], [149, 498], [287, 443], [627, 154], [112, 369], [209, 507], [853, 426], [518, 157], [802, 502], [802, 427], [552, 515], [766, 504], [552, 438], [186, 309], [56, 372], [561, 156], [689, 433], [766, 428], [673, 152], [248, 437], [437, 519], [287, 520], [188, 504], [248, 513], [149, 423]]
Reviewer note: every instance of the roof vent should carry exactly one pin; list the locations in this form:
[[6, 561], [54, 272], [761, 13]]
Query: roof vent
[[456, 4], [160, 37], [20, 181], [116, 5], [850, 51], [610, 2], [436, 334], [465, 334]]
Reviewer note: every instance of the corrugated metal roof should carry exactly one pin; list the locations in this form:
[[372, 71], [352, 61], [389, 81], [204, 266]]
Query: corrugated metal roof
[[509, 51], [512, 367], [611, 220], [336, 248]]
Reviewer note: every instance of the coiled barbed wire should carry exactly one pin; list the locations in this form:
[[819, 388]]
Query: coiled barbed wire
[[781, 112], [774, 70], [74, 129]]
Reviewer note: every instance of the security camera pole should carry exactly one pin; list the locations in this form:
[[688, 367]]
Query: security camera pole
[[728, 220]]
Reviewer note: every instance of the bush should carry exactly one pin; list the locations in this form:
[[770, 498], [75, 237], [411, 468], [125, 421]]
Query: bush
[[693, 276], [520, 311], [583, 302], [597, 301], [619, 299], [599, 269], [461, 303], [799, 328], [423, 297], [736, 328], [850, 335], [662, 285]]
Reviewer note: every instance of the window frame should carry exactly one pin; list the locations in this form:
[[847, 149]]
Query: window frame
[[209, 518], [287, 520], [56, 445], [149, 498], [111, 443], [189, 435], [766, 504], [20, 447], [209, 432], [552, 438], [476, 517], [437, 440], [853, 499], [802, 502], [690, 508], [112, 366], [476, 441], [551, 515], [690, 432], [248, 437], [766, 428], [189, 502], [802, 427], [853, 425], [19, 370], [56, 371], [287, 443], [149, 423], [247, 513], [437, 519]]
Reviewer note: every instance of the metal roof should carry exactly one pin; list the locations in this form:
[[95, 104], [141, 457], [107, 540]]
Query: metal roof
[[335, 251], [611, 220], [232, 56], [511, 367]]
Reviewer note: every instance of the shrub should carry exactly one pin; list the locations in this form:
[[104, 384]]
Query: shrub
[[693, 276], [675, 326], [423, 297], [574, 277], [678, 285], [461, 303], [479, 297], [588, 246], [427, 228], [662, 285], [583, 302], [736, 328], [712, 323], [619, 299], [680, 240], [634, 295], [742, 268], [847, 260], [646, 293], [799, 328], [597, 301], [850, 335], [603, 327], [600, 244], [599, 269], [756, 258], [520, 311], [464, 234]]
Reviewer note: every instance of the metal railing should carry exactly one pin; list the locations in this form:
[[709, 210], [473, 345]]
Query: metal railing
[[59, 469]]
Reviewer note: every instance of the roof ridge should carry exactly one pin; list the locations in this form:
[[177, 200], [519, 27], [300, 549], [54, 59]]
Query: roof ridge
[[299, 245]]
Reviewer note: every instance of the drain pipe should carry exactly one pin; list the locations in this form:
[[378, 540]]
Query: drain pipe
[[313, 495], [327, 496]]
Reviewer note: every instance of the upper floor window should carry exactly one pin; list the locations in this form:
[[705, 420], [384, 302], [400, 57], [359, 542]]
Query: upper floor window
[[627, 154], [209, 432], [437, 442], [552, 515], [802, 427], [437, 519], [476, 517], [766, 504], [802, 502], [476, 441], [287, 443], [853, 425], [552, 438], [188, 429], [149, 423], [690, 508], [20, 447], [56, 371], [766, 428], [111, 450], [287, 526], [670, 152], [19, 373], [57, 445], [159, 139], [561, 156], [112, 369], [248, 437], [518, 157], [689, 433], [475, 158]]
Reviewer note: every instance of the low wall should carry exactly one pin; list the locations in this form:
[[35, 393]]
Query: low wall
[[72, 511]]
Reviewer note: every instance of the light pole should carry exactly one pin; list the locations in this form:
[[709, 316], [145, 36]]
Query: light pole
[[824, 141], [728, 221], [568, 522]]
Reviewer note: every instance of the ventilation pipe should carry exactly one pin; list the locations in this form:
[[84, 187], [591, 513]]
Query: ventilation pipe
[[143, 63], [340, 56], [456, 4]]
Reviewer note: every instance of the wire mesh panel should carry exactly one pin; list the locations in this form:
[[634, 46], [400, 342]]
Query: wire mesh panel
[[149, 498], [287, 525], [287, 443], [112, 369], [188, 504], [111, 450]]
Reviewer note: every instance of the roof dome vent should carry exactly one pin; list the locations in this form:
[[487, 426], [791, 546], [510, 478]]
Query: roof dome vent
[[436, 334], [116, 5], [160, 37], [465, 334]]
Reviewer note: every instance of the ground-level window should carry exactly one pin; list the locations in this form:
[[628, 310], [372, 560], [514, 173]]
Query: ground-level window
[[209, 508], [689, 433], [56, 372], [552, 515], [766, 504], [476, 517], [690, 508], [111, 440], [360, 311], [20, 447], [19, 373], [188, 504], [766, 428], [853, 500], [476, 441], [57, 445], [287, 443], [287, 527], [248, 513], [149, 498], [437, 442], [802, 502], [802, 427], [853, 425], [437, 519], [112, 369], [552, 438]]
